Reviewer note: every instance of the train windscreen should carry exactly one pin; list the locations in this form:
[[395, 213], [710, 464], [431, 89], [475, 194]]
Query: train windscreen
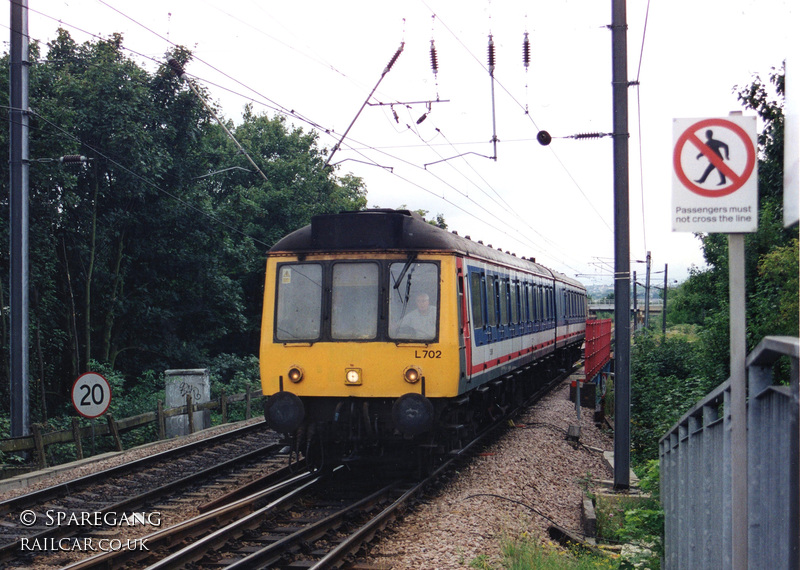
[[413, 301]]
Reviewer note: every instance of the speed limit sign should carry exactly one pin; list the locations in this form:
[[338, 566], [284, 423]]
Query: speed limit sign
[[91, 395]]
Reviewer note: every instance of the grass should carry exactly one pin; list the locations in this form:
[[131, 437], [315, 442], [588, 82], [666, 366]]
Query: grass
[[527, 554]]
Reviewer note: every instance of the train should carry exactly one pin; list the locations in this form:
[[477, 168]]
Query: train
[[380, 329]]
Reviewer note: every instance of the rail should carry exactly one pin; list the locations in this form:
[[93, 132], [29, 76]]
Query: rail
[[695, 459], [39, 441]]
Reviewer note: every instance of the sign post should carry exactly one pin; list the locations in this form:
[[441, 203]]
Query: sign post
[[715, 190]]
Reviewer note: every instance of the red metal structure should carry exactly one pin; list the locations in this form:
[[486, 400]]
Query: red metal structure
[[598, 346]]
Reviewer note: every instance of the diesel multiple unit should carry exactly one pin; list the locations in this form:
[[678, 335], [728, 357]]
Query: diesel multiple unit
[[379, 327]]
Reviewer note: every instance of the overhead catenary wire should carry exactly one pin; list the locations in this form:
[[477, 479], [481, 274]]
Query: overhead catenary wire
[[386, 70], [280, 110], [530, 118], [178, 69], [293, 113], [639, 122]]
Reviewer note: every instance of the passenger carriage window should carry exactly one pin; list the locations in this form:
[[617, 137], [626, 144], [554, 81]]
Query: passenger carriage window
[[299, 302], [548, 298], [476, 298], [354, 308], [515, 303], [523, 303], [491, 291], [540, 304], [413, 300], [504, 301]]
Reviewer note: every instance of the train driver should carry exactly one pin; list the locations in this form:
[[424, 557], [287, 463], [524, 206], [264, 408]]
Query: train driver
[[421, 322]]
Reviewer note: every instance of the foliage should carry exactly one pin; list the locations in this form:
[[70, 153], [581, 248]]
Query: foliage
[[693, 300], [665, 384], [151, 255], [525, 553], [775, 307], [637, 522], [234, 375]]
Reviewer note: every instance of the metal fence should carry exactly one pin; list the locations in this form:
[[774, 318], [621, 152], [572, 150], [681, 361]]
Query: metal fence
[[695, 458]]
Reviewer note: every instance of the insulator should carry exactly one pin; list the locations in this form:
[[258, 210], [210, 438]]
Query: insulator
[[544, 138], [394, 57], [491, 53], [526, 51], [589, 135], [72, 159], [422, 118], [176, 67], [434, 61]]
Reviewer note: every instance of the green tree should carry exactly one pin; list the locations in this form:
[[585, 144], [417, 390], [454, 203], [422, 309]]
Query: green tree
[[145, 257]]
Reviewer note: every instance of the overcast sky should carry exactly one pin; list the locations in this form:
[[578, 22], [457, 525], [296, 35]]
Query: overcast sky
[[317, 62]]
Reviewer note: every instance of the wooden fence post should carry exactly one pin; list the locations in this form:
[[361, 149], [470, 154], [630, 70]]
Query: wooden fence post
[[223, 404], [162, 421], [248, 413], [41, 459], [114, 432], [76, 436], [190, 412]]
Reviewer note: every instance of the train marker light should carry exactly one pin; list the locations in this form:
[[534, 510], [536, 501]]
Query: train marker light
[[353, 376], [295, 374], [412, 374]]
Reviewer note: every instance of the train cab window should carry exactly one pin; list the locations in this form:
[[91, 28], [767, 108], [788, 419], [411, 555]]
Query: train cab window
[[413, 300], [476, 299], [299, 302], [355, 294]]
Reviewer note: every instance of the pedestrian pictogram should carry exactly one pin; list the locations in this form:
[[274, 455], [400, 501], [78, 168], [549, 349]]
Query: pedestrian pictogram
[[720, 136], [716, 147], [714, 175]]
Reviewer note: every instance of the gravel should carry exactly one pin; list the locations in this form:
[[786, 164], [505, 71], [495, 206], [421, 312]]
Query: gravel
[[530, 473]]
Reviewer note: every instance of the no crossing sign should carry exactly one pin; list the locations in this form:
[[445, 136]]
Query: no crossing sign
[[91, 395], [714, 178]]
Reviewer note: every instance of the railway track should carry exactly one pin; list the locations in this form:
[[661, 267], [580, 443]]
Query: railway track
[[308, 520], [152, 491], [287, 519]]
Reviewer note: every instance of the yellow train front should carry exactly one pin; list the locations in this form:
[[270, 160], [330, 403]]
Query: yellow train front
[[381, 328]]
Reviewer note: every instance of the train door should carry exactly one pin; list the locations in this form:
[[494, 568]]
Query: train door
[[464, 335], [481, 305]]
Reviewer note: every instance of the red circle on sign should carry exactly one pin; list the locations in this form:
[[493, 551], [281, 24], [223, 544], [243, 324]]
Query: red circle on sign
[[737, 182]]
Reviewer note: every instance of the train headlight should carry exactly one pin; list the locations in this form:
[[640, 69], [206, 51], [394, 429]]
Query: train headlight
[[295, 374], [412, 374], [352, 376]]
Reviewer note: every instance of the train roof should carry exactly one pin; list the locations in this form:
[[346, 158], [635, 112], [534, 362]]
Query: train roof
[[394, 230]]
